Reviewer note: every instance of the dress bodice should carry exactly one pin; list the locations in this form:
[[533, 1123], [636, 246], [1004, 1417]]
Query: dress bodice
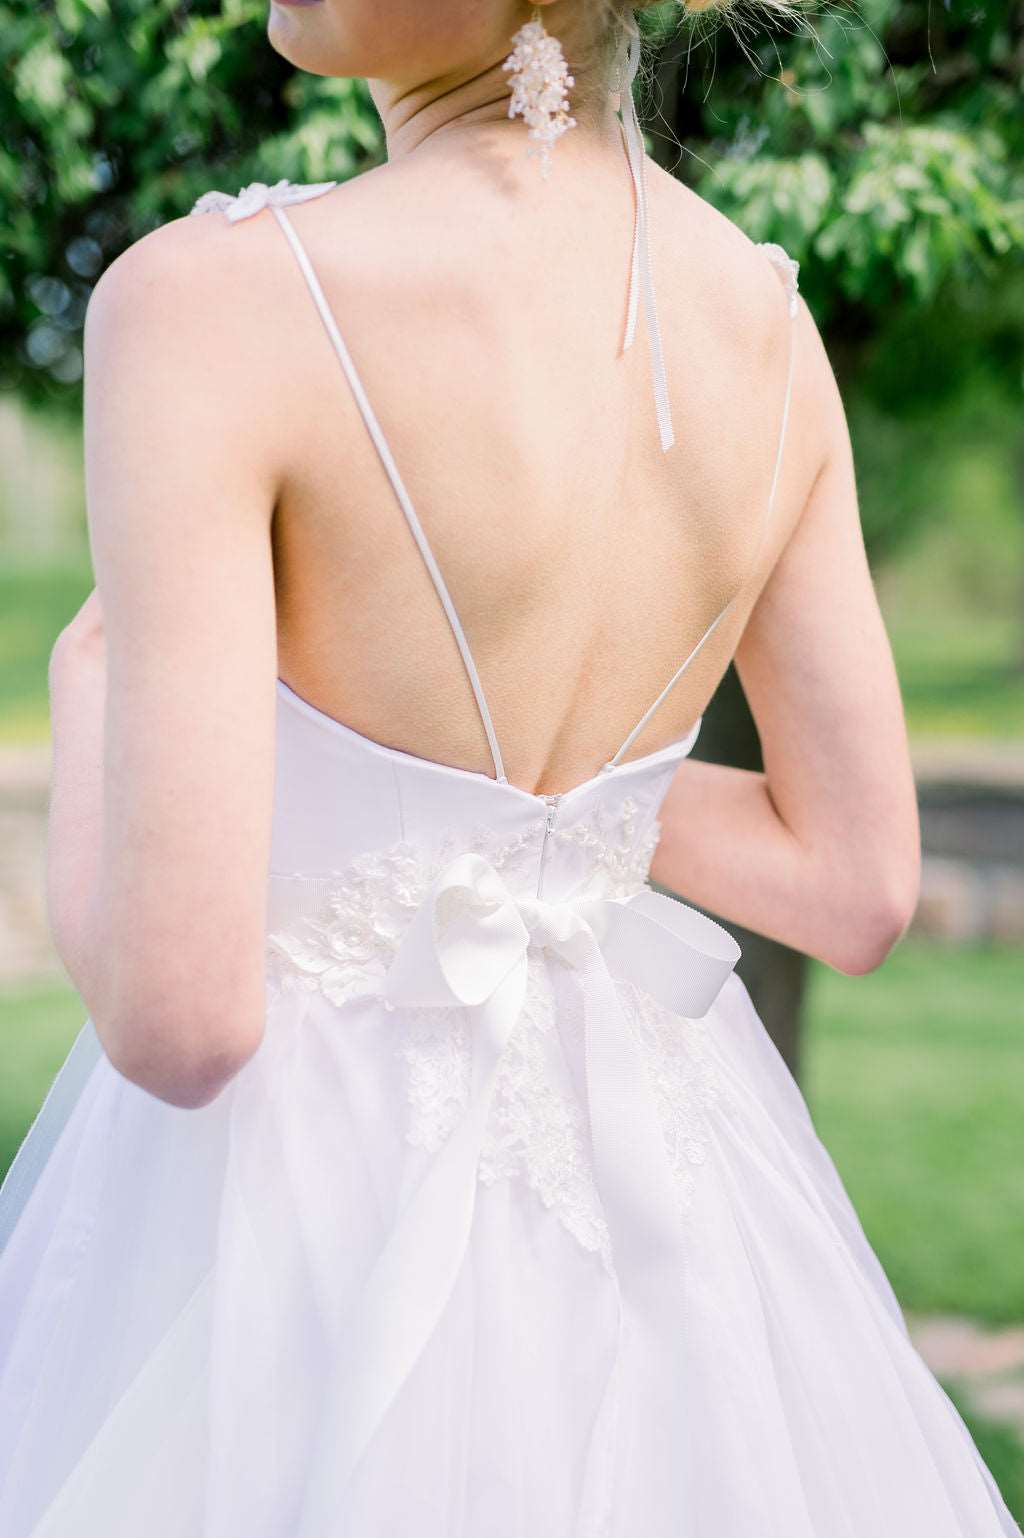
[[345, 804]]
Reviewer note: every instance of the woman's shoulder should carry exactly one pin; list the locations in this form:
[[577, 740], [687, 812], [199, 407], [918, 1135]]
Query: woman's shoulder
[[712, 255], [738, 304], [191, 267]]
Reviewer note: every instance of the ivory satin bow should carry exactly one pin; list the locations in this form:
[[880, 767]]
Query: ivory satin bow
[[466, 946]]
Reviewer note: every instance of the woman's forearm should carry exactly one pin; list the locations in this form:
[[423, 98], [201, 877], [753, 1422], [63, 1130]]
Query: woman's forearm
[[75, 822], [725, 847]]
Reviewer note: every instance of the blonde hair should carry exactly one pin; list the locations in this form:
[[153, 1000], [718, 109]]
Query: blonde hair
[[619, 9], [614, 23]]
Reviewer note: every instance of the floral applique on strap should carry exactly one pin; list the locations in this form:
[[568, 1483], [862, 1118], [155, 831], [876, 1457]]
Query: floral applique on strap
[[787, 267], [258, 195]]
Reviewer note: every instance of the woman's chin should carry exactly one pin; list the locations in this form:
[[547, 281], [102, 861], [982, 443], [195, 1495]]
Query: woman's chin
[[291, 32]]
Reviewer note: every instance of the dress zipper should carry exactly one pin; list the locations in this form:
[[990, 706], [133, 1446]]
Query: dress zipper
[[549, 823]]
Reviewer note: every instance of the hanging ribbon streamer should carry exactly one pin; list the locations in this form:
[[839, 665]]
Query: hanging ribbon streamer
[[640, 277]]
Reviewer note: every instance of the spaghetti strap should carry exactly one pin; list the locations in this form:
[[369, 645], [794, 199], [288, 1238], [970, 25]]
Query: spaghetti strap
[[398, 486], [788, 270]]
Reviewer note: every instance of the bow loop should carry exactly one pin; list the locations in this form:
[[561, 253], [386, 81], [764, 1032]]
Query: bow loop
[[465, 937], [671, 950]]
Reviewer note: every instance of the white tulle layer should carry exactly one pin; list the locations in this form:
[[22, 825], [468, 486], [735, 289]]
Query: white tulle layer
[[172, 1294]]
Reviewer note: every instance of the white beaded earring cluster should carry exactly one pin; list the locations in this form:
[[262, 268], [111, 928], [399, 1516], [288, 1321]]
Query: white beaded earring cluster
[[540, 77]]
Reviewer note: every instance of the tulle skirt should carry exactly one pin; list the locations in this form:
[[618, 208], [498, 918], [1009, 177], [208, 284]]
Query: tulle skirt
[[175, 1291]]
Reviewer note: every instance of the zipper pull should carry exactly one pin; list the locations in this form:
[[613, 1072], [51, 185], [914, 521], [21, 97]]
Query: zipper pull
[[549, 823]]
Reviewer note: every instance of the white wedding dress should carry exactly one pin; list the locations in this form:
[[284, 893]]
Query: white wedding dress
[[515, 1226]]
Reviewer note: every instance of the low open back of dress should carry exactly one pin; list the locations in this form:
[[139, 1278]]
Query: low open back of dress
[[641, 291]]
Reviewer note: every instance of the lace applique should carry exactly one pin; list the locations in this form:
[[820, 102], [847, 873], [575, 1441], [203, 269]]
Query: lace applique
[[256, 196], [620, 844], [345, 949], [537, 1130], [787, 267], [685, 1079]]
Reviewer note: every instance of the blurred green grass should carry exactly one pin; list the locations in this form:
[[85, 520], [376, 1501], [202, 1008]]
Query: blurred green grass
[[38, 1023], [1001, 1449], [952, 597], [35, 602], [914, 1078]]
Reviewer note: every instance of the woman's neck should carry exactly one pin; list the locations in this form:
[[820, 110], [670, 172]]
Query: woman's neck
[[476, 108]]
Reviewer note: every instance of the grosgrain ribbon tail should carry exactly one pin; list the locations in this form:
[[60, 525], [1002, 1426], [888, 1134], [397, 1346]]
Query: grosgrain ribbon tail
[[640, 277]]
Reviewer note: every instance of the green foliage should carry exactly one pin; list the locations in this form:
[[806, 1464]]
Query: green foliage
[[920, 203], [883, 146], [784, 200], [116, 119]]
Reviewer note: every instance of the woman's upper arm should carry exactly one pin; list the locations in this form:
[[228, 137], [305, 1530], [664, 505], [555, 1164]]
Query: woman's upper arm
[[180, 490], [817, 668]]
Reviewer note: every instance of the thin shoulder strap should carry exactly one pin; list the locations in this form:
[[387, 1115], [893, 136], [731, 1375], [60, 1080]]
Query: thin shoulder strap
[[788, 270], [405, 503]]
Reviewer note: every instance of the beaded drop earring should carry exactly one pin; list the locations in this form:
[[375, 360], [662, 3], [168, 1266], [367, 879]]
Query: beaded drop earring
[[540, 77]]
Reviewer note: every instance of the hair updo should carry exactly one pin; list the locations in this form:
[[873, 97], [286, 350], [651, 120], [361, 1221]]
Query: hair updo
[[620, 15], [615, 22]]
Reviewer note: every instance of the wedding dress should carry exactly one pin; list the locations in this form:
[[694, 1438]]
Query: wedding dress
[[515, 1226]]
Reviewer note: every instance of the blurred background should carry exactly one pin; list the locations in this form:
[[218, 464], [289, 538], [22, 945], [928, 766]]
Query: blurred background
[[883, 145]]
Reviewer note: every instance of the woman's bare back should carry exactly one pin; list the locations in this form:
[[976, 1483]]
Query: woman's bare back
[[583, 562]]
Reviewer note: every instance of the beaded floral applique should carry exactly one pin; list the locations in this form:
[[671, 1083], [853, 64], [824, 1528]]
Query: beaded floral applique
[[617, 843], [258, 195], [347, 947], [787, 267]]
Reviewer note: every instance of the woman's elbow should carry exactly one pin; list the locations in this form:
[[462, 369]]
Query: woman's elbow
[[183, 1058], [874, 926]]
